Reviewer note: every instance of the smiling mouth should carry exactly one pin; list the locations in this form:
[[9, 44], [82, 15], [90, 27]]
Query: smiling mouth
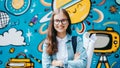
[[61, 27]]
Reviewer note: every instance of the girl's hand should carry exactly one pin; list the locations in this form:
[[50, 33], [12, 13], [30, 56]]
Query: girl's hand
[[76, 56], [57, 63]]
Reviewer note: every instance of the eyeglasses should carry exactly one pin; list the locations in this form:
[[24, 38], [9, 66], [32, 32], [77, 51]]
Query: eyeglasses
[[63, 21]]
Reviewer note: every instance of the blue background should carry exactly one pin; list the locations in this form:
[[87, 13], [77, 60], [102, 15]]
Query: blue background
[[21, 23]]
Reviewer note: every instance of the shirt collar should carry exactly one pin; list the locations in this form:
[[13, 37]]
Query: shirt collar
[[67, 38], [63, 39]]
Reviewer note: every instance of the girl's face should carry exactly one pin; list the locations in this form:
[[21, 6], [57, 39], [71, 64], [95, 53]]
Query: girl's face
[[60, 23]]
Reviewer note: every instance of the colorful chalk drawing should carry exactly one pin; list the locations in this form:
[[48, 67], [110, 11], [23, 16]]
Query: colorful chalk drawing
[[24, 24]]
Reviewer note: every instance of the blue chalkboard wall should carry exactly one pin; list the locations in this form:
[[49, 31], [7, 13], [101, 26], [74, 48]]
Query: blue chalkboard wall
[[24, 23]]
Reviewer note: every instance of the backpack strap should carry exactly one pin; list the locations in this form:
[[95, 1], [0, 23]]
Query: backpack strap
[[74, 43]]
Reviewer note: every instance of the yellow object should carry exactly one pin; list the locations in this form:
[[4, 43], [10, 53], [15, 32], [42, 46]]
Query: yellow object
[[107, 65], [20, 62], [77, 9], [114, 40], [12, 50], [45, 3], [31, 24], [60, 3], [17, 4], [100, 64]]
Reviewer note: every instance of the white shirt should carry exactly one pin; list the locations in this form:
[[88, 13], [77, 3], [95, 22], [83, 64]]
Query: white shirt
[[62, 49]]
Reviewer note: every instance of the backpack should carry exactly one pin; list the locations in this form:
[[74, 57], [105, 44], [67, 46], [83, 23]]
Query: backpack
[[74, 43]]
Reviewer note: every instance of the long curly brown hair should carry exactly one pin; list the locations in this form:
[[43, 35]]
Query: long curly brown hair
[[52, 33]]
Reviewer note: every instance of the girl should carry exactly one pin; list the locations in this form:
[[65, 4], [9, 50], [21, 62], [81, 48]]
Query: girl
[[57, 48]]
